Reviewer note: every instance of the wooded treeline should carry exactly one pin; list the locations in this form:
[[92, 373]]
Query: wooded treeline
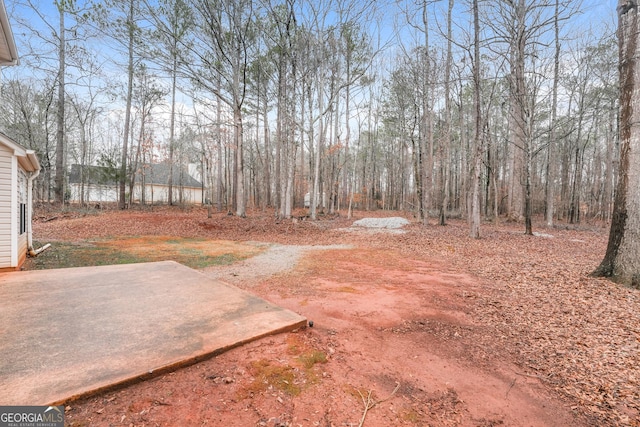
[[451, 108]]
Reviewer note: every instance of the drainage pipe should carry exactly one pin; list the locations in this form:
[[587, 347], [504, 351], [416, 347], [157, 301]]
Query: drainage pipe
[[32, 252]]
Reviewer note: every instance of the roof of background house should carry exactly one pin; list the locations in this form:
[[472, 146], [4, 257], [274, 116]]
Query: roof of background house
[[153, 174], [159, 174], [93, 175]]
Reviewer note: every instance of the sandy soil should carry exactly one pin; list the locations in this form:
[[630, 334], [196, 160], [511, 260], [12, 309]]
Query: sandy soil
[[408, 329]]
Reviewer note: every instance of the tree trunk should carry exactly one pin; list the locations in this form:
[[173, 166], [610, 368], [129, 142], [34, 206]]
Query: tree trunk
[[221, 163], [59, 180], [518, 117], [622, 259], [474, 223], [446, 146], [140, 159], [426, 141], [172, 126], [551, 149], [315, 188], [528, 208], [239, 187], [127, 115], [267, 152], [608, 182], [280, 134]]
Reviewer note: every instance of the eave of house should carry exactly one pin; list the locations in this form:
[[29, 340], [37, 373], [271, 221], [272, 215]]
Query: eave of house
[[27, 159], [8, 50]]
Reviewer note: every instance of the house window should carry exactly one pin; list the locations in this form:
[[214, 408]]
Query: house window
[[22, 201], [23, 218]]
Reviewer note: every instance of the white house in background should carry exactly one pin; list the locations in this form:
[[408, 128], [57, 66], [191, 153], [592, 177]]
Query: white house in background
[[99, 185], [152, 185], [18, 168], [93, 184]]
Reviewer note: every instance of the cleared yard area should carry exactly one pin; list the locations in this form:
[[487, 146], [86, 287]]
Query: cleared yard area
[[431, 326]]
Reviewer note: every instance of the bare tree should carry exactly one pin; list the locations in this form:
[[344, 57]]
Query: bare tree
[[220, 48], [446, 144], [60, 149], [147, 94], [426, 125], [28, 116], [551, 149], [86, 114], [474, 215], [117, 19], [55, 36], [285, 47], [172, 23]]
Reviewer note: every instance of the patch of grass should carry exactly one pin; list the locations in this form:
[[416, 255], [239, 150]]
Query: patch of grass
[[290, 378], [194, 258], [193, 252], [306, 355], [309, 360], [280, 377], [81, 254], [183, 240]]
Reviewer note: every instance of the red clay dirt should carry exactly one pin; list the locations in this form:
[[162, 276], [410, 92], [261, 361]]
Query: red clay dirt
[[426, 328]]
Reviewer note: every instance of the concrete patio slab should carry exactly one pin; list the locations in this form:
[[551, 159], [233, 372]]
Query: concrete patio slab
[[71, 332]]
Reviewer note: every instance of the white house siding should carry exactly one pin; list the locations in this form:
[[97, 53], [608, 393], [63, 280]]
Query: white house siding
[[155, 193], [94, 193], [6, 206]]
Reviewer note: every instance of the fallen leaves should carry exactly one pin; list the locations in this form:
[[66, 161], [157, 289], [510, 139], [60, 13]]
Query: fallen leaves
[[579, 334]]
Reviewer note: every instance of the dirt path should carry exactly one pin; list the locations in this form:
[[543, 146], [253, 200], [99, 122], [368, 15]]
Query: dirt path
[[275, 259]]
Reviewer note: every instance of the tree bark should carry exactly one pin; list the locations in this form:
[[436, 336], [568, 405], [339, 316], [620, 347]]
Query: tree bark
[[238, 142], [172, 124], [622, 259], [59, 180], [474, 229], [551, 149], [608, 182], [127, 118], [426, 139], [518, 124], [315, 188], [281, 96], [446, 146], [219, 180], [267, 151]]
